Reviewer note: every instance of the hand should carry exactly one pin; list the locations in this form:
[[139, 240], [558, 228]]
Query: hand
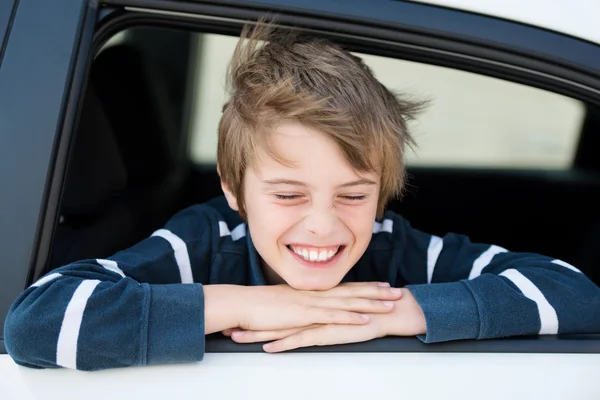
[[407, 319], [280, 307]]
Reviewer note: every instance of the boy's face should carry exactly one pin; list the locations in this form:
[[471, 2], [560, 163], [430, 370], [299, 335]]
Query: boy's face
[[310, 223]]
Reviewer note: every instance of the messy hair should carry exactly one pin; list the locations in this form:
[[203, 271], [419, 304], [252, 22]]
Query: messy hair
[[278, 75]]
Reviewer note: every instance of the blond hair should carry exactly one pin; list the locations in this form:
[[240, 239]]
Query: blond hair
[[277, 76]]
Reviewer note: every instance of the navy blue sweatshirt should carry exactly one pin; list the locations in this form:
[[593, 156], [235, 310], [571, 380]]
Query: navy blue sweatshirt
[[145, 305]]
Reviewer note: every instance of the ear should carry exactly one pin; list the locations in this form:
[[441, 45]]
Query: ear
[[231, 199]]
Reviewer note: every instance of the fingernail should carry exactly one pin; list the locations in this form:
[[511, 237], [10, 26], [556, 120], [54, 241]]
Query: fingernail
[[396, 290], [268, 346], [384, 284], [365, 317], [237, 334], [388, 303]]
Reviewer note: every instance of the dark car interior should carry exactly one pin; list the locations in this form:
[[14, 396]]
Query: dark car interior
[[128, 171]]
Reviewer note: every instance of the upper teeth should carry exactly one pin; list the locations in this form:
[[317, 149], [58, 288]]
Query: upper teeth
[[314, 254]]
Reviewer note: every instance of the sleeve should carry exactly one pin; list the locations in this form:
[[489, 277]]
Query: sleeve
[[477, 291], [140, 306]]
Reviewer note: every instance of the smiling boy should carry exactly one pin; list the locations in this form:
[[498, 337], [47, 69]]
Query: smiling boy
[[300, 251]]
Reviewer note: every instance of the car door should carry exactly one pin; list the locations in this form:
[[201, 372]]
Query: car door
[[37, 73], [7, 10], [34, 161]]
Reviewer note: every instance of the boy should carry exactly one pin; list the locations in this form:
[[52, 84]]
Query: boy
[[300, 251]]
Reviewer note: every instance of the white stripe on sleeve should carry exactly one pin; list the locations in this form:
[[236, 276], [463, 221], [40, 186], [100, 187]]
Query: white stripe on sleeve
[[387, 225], [484, 259], [46, 279], [223, 229], [111, 266], [548, 317], [566, 265], [181, 254], [436, 244], [66, 348], [237, 233]]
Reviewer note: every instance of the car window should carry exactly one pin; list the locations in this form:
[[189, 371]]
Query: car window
[[471, 121]]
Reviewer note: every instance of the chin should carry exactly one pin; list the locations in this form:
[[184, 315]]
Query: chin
[[317, 283]]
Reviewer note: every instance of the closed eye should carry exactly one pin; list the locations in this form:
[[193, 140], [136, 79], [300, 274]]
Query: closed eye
[[287, 196], [354, 198], [297, 196]]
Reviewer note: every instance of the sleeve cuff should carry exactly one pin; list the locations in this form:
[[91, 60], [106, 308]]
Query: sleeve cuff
[[450, 311], [175, 324]]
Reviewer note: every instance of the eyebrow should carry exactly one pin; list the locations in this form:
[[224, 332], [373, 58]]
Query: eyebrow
[[358, 182]]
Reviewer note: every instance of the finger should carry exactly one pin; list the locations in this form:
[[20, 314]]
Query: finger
[[354, 304], [228, 332], [374, 292], [375, 283], [325, 316], [264, 336], [327, 293], [321, 336], [300, 339]]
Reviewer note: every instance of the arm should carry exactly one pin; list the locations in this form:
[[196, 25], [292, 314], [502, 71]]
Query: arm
[[478, 291], [142, 305], [130, 309]]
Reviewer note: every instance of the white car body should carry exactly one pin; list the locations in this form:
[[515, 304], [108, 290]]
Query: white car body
[[323, 376], [576, 18], [350, 375]]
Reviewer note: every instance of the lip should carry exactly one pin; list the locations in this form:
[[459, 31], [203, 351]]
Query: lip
[[319, 265], [304, 245]]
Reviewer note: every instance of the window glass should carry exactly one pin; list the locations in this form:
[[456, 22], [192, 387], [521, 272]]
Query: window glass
[[472, 120]]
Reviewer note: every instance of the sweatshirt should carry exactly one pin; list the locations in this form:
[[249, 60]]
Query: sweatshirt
[[145, 305]]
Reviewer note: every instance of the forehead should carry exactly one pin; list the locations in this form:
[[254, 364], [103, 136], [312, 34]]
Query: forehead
[[299, 150]]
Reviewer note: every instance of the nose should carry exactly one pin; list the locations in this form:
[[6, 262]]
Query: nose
[[320, 222]]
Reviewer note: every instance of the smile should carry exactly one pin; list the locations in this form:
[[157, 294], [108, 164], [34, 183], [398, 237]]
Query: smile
[[315, 254]]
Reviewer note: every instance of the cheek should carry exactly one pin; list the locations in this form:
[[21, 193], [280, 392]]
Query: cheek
[[269, 223], [360, 222], [362, 234]]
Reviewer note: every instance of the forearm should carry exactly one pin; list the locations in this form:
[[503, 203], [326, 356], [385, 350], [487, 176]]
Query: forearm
[[221, 307], [104, 321], [476, 291], [538, 299]]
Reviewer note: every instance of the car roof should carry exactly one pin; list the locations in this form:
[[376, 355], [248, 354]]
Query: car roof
[[577, 18]]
